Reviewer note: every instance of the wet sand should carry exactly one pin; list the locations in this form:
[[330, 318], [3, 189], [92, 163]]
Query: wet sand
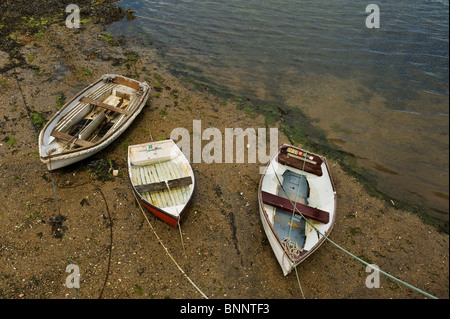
[[104, 232]]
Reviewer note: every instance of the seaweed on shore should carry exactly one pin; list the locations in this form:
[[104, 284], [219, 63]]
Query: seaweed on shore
[[102, 169], [29, 19], [58, 227]]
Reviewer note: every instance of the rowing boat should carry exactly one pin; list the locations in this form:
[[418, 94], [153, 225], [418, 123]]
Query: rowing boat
[[162, 179], [91, 120], [297, 202]]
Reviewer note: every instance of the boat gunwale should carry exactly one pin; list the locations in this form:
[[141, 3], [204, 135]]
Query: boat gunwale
[[263, 212]]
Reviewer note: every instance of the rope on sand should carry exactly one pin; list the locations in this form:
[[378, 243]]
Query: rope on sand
[[167, 251]]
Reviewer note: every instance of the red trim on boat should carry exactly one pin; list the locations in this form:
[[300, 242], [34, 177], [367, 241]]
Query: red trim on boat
[[161, 214]]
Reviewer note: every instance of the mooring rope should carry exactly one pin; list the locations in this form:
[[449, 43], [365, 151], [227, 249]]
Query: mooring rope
[[174, 204], [64, 233], [346, 251], [167, 251], [27, 108], [178, 213], [62, 229], [299, 284], [29, 112], [290, 245], [110, 241]]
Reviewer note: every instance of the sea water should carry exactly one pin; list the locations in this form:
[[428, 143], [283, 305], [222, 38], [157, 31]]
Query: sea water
[[379, 94]]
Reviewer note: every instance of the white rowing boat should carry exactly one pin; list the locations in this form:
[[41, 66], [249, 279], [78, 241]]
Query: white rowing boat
[[162, 179], [297, 202], [91, 120]]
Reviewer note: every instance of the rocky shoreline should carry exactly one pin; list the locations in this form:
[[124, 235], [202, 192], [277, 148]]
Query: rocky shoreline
[[94, 221]]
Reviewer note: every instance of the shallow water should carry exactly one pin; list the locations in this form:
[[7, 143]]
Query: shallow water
[[379, 94]]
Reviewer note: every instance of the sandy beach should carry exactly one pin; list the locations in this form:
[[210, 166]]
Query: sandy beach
[[91, 219]]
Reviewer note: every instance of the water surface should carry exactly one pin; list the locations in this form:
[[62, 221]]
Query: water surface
[[379, 94]]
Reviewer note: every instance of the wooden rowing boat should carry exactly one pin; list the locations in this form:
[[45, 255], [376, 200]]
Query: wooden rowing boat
[[297, 202], [91, 120], [162, 179]]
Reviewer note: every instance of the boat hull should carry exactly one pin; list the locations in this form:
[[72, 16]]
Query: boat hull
[[162, 215]]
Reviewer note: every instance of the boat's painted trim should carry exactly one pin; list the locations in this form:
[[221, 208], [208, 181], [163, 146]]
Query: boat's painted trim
[[162, 214]]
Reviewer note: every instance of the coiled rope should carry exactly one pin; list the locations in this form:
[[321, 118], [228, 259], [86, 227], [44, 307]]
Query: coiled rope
[[291, 247]]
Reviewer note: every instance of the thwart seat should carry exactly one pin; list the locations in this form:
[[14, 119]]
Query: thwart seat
[[287, 205]]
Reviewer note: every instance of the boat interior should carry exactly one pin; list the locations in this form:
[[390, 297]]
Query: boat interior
[[288, 224], [162, 177], [93, 116], [164, 184], [291, 185]]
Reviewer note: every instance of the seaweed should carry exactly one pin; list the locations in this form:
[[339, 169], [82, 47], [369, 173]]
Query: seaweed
[[31, 19], [58, 228], [102, 169]]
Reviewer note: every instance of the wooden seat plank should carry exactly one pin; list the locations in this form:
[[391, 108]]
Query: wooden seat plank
[[285, 204], [183, 181], [104, 105], [70, 138], [288, 160], [127, 82]]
